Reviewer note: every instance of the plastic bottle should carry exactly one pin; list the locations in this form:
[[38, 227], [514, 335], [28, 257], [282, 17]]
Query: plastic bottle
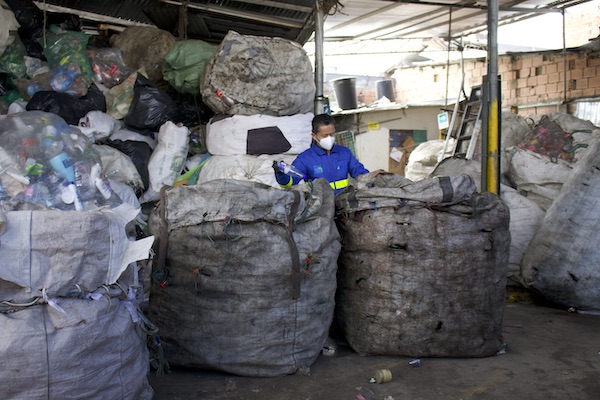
[[62, 165], [290, 170], [228, 101], [102, 185]]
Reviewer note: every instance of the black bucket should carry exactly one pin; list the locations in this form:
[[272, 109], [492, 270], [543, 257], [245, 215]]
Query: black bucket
[[345, 93], [385, 88]]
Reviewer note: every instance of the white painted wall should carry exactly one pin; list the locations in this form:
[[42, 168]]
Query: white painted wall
[[372, 146]]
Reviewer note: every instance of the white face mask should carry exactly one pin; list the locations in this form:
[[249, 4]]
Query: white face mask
[[327, 143]]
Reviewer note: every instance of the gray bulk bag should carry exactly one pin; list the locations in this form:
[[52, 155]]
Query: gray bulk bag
[[258, 75], [422, 270], [90, 349], [55, 252], [561, 261], [249, 282]]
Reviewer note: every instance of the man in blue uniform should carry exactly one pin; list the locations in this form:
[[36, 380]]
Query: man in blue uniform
[[324, 158]]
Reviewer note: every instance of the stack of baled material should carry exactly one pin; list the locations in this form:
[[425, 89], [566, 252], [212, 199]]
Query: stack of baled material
[[69, 299], [422, 270], [262, 90]]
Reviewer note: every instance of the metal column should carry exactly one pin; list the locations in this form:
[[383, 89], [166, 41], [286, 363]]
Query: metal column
[[490, 162], [319, 34]]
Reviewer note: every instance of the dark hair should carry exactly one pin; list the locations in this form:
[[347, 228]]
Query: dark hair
[[321, 120]]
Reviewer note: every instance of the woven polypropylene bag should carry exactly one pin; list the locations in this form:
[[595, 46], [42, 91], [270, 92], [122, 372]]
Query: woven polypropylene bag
[[258, 75], [420, 276], [249, 280]]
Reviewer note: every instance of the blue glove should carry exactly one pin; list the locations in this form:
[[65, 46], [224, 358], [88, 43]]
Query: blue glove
[[282, 179]]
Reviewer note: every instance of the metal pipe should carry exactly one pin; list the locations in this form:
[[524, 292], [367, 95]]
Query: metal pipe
[[319, 35], [564, 52], [492, 156]]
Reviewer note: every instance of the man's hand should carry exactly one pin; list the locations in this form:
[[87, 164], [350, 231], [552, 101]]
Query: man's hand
[[281, 178]]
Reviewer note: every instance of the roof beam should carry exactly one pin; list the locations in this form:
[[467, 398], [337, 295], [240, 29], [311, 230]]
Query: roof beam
[[238, 14], [480, 7], [88, 15], [365, 16], [277, 4]]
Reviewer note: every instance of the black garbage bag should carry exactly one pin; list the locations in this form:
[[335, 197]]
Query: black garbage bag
[[150, 108], [31, 21], [139, 152], [192, 111], [27, 14], [67, 106]]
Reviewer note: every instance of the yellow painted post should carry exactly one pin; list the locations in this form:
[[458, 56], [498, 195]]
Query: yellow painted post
[[492, 172]]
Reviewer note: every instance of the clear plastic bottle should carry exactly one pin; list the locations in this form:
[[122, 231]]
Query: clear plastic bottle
[[102, 185], [290, 170], [60, 161]]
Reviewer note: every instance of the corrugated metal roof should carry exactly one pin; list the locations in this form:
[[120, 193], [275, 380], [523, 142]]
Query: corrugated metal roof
[[207, 20], [210, 20]]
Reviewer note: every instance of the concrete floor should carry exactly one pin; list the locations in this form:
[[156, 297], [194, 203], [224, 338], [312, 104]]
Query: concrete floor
[[551, 354]]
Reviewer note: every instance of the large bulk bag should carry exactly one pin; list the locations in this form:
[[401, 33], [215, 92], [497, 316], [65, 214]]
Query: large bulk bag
[[90, 350], [258, 75], [525, 219], [537, 176], [249, 279], [57, 251], [525, 215], [69, 316], [423, 159], [422, 270], [561, 262], [258, 134]]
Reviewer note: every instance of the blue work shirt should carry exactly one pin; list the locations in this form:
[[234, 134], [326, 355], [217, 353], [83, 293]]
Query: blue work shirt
[[334, 167]]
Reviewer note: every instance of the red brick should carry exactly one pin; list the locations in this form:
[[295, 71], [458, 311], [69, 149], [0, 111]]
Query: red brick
[[551, 68], [581, 62], [527, 63], [554, 77], [594, 82], [594, 62], [589, 92], [582, 83], [589, 72], [575, 93], [502, 68], [521, 83], [518, 64], [532, 81], [542, 79], [541, 89], [524, 72], [537, 60], [575, 74], [553, 88]]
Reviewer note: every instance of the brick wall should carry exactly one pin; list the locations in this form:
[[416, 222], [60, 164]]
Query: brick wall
[[533, 82]]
